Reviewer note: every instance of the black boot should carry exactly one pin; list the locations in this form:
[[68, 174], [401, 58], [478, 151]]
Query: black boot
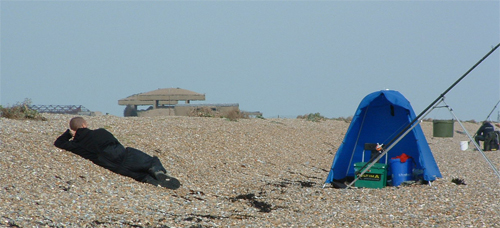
[[158, 172], [169, 182], [157, 169], [150, 180]]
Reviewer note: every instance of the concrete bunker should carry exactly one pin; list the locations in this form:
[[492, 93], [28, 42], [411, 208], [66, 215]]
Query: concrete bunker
[[171, 102]]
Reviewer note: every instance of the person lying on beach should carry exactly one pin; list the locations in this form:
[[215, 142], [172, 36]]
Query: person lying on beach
[[103, 149]]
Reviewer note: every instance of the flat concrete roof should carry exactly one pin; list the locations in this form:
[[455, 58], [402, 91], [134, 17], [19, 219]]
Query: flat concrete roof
[[167, 96]]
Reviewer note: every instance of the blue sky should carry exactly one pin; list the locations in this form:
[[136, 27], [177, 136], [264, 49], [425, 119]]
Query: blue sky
[[281, 58]]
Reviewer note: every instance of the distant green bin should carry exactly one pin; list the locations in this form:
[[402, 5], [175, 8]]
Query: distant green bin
[[442, 128], [375, 177]]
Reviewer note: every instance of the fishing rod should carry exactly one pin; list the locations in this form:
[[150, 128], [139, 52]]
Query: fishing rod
[[492, 110], [385, 148], [442, 95]]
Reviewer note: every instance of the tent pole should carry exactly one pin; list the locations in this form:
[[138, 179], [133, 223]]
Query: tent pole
[[366, 167], [470, 137]]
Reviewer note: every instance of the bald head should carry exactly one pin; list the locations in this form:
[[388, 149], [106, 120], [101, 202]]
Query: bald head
[[77, 122]]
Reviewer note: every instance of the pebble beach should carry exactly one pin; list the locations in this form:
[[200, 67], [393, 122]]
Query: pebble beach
[[245, 173]]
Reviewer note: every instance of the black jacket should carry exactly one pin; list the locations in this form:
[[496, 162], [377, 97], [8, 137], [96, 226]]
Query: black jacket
[[98, 146], [485, 129]]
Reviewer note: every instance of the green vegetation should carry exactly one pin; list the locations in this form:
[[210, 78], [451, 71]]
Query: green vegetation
[[21, 111], [345, 119], [316, 117], [233, 115], [202, 112]]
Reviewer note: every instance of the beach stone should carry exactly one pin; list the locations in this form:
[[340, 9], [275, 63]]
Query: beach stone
[[244, 173]]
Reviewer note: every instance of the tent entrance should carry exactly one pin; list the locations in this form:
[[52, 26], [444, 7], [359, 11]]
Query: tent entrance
[[372, 163]]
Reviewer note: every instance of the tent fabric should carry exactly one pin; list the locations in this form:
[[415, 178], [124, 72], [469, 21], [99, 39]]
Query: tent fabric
[[379, 118]]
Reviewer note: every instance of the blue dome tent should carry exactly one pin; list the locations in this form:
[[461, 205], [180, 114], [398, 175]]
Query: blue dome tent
[[380, 117]]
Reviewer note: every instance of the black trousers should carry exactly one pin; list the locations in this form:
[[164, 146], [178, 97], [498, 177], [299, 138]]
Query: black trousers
[[138, 165], [479, 138]]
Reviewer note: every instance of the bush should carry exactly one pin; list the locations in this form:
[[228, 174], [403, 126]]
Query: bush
[[345, 119], [202, 112], [234, 115], [21, 111], [316, 117]]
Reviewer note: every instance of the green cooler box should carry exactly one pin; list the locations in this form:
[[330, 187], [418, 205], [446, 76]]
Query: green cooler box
[[375, 177]]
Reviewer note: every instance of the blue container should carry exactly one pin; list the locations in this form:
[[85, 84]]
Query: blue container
[[401, 171]]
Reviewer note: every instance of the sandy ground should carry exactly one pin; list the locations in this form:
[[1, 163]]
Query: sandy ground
[[245, 173]]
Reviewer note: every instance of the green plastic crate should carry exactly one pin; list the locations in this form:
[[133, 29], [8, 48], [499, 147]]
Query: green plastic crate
[[375, 177]]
